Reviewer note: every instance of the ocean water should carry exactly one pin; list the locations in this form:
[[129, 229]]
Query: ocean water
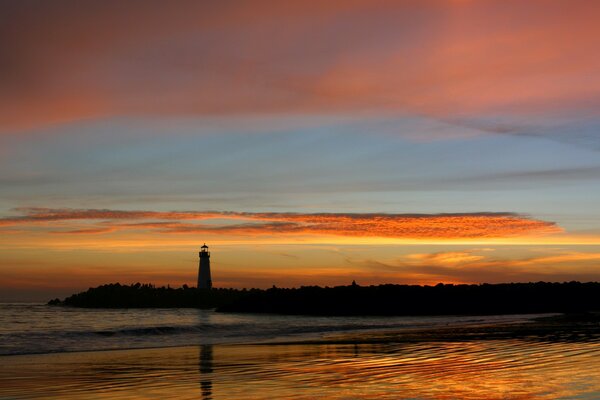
[[38, 328], [63, 353]]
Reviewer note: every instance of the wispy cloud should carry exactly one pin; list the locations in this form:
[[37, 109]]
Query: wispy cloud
[[475, 266], [541, 176], [447, 258], [579, 129], [464, 225]]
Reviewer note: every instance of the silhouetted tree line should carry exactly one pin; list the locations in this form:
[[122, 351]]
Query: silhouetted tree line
[[511, 298], [140, 295], [441, 299]]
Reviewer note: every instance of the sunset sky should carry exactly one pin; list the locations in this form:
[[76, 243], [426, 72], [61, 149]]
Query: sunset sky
[[306, 142]]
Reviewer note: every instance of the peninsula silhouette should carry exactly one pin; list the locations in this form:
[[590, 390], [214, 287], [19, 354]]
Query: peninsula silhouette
[[441, 299]]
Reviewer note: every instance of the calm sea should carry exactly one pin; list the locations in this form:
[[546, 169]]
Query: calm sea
[[37, 328], [61, 353]]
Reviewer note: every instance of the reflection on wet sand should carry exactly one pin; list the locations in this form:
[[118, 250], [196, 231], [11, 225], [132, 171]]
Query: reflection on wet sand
[[491, 369], [205, 364]]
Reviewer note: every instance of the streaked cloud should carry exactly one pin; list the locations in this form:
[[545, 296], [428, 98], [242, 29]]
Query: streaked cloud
[[465, 225], [447, 258], [478, 265], [539, 177]]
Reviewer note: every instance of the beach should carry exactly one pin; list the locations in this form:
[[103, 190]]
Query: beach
[[503, 357], [444, 370]]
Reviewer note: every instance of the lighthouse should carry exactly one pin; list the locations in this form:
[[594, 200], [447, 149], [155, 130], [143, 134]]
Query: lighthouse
[[204, 280]]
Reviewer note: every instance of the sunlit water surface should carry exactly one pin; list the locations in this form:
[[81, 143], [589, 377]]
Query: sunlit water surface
[[527, 368]]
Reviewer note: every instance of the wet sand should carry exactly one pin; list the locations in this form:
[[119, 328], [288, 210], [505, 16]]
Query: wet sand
[[550, 359]]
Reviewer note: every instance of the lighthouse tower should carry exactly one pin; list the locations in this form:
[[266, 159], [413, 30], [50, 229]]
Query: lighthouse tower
[[204, 280]]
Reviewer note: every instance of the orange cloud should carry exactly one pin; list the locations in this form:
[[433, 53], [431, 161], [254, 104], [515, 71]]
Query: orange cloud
[[414, 226], [475, 266], [447, 258]]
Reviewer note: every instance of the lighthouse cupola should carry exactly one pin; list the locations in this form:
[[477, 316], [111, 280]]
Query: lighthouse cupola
[[204, 251]]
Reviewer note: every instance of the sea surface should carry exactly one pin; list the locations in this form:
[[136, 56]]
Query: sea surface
[[38, 328], [71, 353]]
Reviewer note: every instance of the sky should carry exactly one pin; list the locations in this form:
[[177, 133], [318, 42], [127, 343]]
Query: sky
[[306, 142]]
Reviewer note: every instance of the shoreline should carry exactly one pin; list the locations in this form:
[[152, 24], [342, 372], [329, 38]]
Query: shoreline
[[541, 327]]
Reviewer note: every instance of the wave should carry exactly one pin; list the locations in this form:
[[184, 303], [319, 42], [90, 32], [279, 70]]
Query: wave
[[152, 330], [240, 329]]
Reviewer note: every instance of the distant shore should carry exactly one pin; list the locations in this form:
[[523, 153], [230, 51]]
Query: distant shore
[[483, 299]]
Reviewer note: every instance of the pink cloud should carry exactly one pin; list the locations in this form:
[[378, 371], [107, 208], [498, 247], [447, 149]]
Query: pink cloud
[[202, 58]]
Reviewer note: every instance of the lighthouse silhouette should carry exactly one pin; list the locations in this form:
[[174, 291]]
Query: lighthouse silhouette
[[204, 280]]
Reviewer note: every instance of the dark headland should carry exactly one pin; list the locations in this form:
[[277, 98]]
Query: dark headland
[[441, 299]]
